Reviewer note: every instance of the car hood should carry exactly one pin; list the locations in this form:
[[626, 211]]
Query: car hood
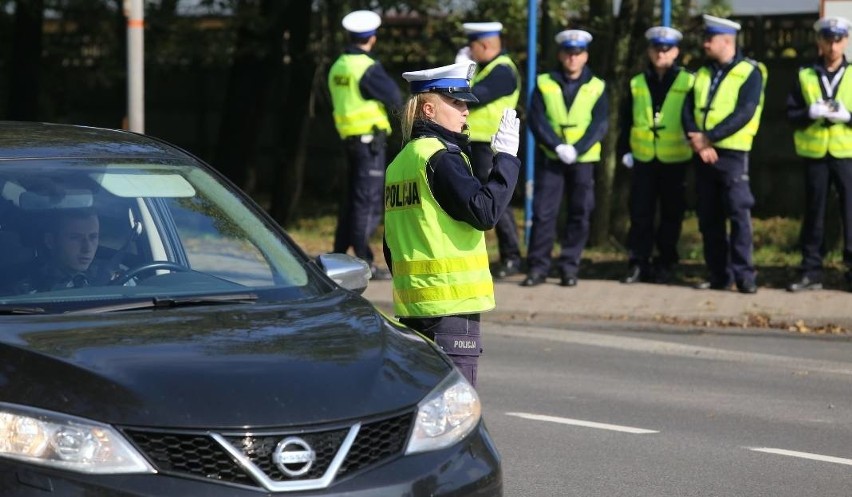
[[253, 365]]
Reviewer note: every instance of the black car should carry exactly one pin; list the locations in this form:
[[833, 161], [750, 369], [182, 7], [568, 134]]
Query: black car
[[160, 335]]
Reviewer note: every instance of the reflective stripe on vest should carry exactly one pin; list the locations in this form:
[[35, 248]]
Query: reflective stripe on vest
[[725, 101], [440, 265], [484, 120], [660, 135], [571, 124], [822, 136], [353, 114]]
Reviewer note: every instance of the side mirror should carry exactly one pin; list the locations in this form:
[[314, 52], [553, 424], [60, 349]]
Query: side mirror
[[347, 271]]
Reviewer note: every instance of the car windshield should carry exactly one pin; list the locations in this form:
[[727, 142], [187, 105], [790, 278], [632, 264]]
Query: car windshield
[[84, 233]]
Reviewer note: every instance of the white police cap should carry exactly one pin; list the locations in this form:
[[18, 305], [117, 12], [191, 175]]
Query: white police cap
[[573, 38], [452, 80], [477, 30], [363, 23], [719, 26], [833, 26], [663, 35]]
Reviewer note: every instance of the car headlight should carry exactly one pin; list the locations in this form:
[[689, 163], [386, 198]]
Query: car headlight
[[447, 415], [52, 439]]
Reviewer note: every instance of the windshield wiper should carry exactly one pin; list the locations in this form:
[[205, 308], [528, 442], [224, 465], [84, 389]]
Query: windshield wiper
[[172, 302], [232, 298], [11, 309]]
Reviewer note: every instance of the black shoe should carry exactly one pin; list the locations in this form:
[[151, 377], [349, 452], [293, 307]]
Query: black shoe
[[634, 275], [712, 285], [663, 275], [568, 280], [747, 286], [380, 273], [534, 279], [804, 283], [506, 269]]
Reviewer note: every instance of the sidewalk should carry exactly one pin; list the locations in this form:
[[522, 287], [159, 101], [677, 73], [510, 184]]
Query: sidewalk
[[817, 312]]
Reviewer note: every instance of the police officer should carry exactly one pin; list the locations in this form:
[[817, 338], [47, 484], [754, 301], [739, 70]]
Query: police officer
[[652, 142], [362, 94], [818, 106], [568, 117], [721, 116], [497, 86], [436, 212]]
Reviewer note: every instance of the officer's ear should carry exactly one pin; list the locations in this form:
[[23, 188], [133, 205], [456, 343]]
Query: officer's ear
[[429, 108]]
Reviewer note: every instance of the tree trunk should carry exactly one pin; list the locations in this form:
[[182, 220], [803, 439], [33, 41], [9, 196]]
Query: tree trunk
[[621, 55], [256, 62], [301, 77], [24, 69]]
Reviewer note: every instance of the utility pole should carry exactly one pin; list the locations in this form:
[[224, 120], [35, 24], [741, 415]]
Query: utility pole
[[532, 43], [134, 10]]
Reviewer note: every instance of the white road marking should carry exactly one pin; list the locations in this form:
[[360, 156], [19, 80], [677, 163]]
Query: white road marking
[[579, 422], [803, 455]]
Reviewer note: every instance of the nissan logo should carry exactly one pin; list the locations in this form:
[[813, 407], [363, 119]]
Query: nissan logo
[[293, 456]]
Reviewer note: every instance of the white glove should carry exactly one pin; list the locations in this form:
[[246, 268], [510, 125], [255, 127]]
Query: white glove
[[627, 160], [818, 109], [841, 115], [508, 135], [567, 153], [463, 55]]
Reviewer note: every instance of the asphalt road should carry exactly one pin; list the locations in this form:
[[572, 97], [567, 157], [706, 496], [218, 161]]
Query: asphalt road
[[611, 412]]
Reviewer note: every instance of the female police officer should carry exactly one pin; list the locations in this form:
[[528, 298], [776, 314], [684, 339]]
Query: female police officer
[[436, 212]]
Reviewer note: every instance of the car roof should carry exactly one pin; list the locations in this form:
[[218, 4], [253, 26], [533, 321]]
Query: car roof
[[32, 140]]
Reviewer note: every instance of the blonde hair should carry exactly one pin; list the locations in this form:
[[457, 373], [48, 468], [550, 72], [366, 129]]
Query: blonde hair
[[413, 111]]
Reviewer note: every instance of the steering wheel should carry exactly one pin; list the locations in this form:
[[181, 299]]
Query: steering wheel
[[148, 266]]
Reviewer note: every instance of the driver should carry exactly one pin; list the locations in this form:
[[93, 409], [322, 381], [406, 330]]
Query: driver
[[71, 241]]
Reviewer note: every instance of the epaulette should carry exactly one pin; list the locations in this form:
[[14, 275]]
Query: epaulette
[[451, 147]]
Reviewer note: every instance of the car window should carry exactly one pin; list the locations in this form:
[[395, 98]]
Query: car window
[[84, 230]]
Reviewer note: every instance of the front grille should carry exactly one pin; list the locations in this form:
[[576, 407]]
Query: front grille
[[200, 455], [188, 454], [377, 442]]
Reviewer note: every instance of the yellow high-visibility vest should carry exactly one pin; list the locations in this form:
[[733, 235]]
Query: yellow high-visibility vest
[[571, 124], [660, 135], [484, 120], [353, 114], [725, 101], [440, 265], [822, 136]]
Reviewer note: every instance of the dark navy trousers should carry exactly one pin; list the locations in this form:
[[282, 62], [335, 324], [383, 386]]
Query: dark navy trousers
[[819, 175], [506, 229], [724, 196], [363, 210], [553, 181], [458, 336], [654, 186]]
